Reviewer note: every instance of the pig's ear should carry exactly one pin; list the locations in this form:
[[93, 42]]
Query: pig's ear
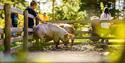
[[66, 35], [62, 26], [70, 36]]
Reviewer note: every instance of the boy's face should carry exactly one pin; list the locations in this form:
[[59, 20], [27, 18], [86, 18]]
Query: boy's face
[[34, 6]]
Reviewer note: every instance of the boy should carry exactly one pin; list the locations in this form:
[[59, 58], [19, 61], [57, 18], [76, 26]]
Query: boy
[[31, 10]]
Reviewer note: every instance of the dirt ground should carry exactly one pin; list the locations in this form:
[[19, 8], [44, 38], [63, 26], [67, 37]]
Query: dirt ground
[[76, 54], [65, 56]]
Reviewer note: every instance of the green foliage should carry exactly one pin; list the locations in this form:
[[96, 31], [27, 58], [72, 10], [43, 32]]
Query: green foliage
[[102, 6], [69, 11], [1, 48]]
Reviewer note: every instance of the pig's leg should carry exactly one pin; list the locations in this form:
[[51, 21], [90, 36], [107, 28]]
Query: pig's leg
[[42, 41], [72, 38], [72, 42], [36, 38], [56, 42], [66, 42], [37, 43]]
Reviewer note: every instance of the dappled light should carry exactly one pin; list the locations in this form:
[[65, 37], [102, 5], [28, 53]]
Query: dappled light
[[52, 31]]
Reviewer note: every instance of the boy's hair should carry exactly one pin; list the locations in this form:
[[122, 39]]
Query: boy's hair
[[33, 3]]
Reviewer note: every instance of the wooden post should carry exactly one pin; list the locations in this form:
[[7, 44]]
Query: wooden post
[[7, 30], [122, 57], [53, 17], [25, 37]]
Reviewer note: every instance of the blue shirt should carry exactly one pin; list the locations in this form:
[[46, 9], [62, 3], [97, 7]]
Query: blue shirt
[[14, 18], [31, 20]]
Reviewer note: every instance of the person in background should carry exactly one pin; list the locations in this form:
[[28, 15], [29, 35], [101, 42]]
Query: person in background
[[105, 16], [45, 17], [31, 10], [14, 18], [105, 19]]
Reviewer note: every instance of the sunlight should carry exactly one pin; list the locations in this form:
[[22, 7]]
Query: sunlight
[[119, 4], [47, 7]]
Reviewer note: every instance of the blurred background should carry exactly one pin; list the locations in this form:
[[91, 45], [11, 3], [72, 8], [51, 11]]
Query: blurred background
[[79, 11]]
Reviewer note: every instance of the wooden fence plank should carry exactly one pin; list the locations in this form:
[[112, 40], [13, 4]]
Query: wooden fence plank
[[13, 9], [30, 30], [15, 39], [15, 29], [15, 49], [1, 7], [1, 31], [70, 21], [80, 32], [1, 42], [7, 30], [25, 37]]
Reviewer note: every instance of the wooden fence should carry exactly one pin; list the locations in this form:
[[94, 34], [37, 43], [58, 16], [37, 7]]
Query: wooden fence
[[6, 32]]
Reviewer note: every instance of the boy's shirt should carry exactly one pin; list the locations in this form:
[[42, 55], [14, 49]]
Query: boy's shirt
[[31, 20]]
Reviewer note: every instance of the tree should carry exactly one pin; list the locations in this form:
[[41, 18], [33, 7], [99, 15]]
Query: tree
[[70, 10], [94, 6]]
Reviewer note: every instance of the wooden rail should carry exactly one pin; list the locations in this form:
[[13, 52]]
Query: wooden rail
[[13, 9], [70, 21]]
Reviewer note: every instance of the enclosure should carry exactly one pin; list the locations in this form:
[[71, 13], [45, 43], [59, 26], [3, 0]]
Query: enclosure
[[92, 43]]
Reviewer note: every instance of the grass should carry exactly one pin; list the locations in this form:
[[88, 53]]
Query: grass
[[1, 48], [14, 44]]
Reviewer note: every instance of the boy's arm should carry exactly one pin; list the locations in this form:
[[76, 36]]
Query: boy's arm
[[40, 19]]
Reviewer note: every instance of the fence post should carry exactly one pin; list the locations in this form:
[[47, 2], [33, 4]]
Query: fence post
[[122, 57], [53, 16], [7, 30], [25, 37]]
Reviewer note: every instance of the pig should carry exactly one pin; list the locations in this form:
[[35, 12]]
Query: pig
[[49, 32], [70, 29]]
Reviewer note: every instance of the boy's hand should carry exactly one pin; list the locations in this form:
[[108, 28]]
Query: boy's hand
[[44, 22]]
